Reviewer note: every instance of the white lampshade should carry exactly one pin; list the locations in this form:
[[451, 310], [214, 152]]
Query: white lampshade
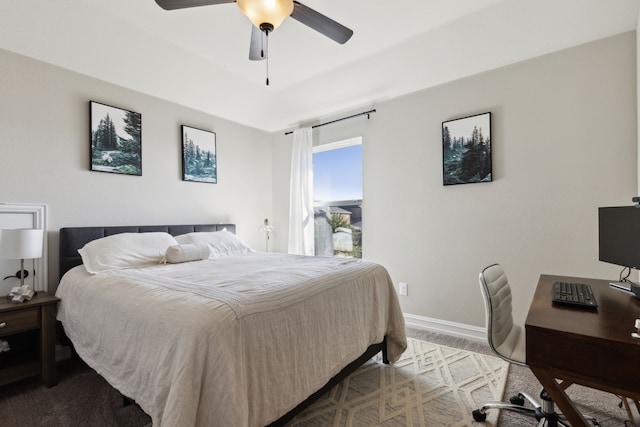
[[21, 243], [266, 11]]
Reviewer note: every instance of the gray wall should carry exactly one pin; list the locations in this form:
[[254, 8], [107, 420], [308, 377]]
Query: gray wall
[[564, 141], [44, 156], [564, 132]]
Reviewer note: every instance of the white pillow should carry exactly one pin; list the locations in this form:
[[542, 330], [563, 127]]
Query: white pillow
[[221, 243], [187, 252], [125, 250]]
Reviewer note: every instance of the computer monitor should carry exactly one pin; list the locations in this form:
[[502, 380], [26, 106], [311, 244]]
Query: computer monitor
[[619, 235]]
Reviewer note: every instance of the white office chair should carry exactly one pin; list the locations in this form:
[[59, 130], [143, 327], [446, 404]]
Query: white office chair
[[507, 340]]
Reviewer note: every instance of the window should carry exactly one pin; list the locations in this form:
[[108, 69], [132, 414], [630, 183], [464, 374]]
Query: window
[[337, 195]]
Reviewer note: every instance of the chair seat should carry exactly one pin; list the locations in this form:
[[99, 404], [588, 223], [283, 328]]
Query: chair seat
[[513, 347]]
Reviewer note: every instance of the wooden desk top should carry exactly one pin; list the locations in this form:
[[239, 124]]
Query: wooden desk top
[[586, 346], [613, 320]]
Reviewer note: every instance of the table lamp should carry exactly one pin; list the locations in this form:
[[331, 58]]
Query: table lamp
[[267, 230], [21, 243]]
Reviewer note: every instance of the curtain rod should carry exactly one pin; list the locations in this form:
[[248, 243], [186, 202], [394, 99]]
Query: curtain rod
[[367, 113]]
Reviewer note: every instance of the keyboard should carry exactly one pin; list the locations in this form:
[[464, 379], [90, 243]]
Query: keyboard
[[575, 294]]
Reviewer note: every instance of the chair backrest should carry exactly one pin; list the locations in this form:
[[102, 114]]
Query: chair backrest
[[505, 338]]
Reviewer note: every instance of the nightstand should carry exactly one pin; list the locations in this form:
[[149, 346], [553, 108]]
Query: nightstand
[[29, 327]]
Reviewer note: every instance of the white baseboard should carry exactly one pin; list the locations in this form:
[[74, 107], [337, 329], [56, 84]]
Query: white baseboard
[[446, 327]]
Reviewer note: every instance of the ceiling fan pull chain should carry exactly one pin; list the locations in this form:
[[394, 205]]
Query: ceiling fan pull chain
[[267, 42]]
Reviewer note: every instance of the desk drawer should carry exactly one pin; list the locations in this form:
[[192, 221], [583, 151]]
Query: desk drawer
[[19, 321]]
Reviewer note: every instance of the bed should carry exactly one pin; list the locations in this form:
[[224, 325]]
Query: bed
[[220, 334]]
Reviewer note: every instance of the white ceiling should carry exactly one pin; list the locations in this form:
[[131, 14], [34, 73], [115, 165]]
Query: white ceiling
[[198, 57]]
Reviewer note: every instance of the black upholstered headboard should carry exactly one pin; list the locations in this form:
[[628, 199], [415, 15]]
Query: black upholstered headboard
[[73, 238]]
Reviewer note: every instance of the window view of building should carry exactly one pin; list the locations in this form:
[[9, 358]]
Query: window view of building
[[337, 191]]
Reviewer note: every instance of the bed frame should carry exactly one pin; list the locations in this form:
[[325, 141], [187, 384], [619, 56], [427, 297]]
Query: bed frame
[[74, 238]]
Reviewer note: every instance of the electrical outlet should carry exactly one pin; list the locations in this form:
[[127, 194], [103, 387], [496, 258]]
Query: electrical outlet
[[403, 288]]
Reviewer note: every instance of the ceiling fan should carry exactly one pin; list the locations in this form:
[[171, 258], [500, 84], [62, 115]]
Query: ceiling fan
[[267, 15]]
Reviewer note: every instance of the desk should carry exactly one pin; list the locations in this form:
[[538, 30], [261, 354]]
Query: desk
[[582, 346]]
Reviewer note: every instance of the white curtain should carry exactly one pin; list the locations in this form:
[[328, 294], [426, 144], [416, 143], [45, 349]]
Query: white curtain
[[301, 226]]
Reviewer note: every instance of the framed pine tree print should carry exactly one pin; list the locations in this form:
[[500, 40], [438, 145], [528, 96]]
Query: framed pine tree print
[[199, 158], [466, 150], [116, 140]]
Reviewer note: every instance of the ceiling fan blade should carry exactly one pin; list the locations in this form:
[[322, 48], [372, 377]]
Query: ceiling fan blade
[[183, 4], [321, 23], [258, 46]]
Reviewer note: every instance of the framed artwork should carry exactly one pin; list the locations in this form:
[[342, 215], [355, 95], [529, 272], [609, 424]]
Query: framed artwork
[[116, 140], [466, 150], [199, 159]]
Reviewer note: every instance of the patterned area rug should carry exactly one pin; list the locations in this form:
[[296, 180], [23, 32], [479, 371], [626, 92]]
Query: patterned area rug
[[431, 385]]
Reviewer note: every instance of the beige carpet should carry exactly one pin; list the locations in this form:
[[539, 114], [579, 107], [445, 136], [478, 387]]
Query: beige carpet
[[431, 385], [82, 398]]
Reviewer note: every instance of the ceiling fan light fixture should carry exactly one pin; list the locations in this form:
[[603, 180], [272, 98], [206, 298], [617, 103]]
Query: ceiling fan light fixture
[[266, 11]]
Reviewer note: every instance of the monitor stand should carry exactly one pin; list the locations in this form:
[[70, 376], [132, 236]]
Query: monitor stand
[[622, 286]]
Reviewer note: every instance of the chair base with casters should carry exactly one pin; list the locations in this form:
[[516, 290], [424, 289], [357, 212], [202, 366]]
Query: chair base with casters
[[507, 340], [543, 412]]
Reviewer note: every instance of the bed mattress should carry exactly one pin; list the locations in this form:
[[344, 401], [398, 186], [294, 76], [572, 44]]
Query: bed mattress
[[232, 341]]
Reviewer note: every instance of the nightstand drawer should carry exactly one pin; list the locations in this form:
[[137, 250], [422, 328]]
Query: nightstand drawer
[[19, 321]]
